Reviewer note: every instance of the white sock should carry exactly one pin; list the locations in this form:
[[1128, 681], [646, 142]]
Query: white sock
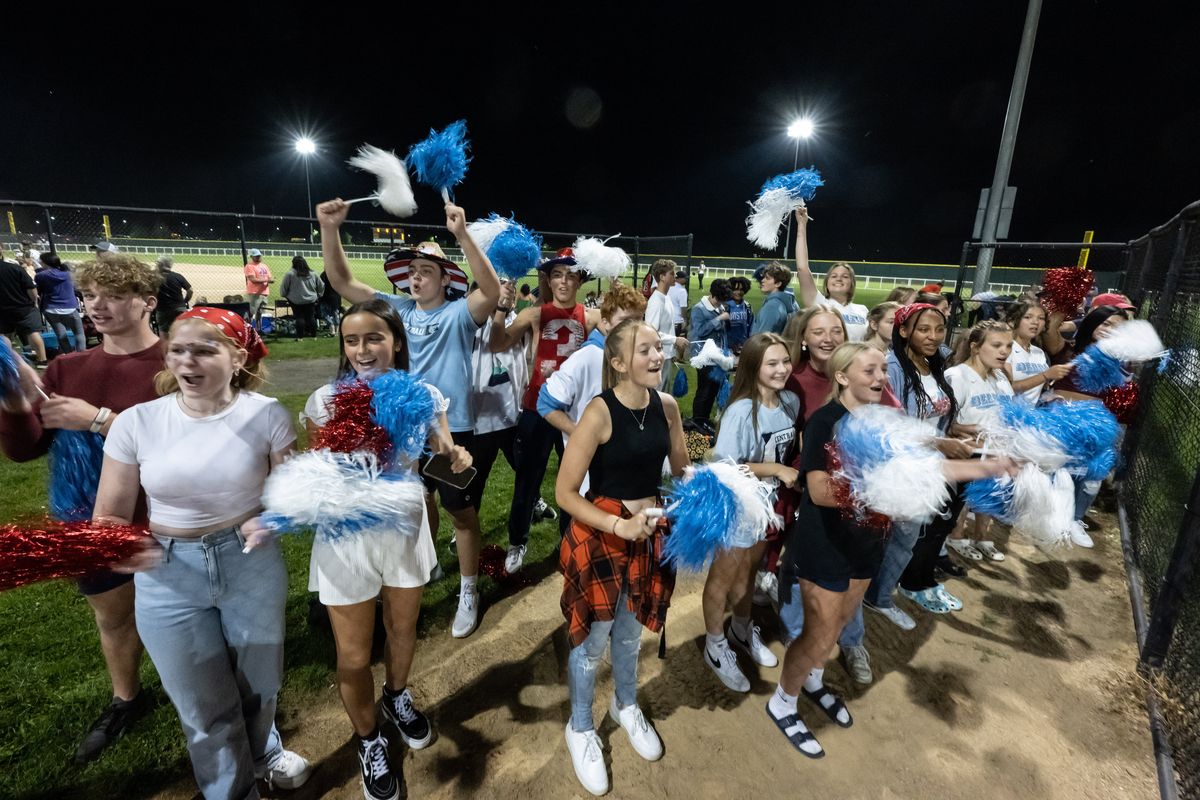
[[813, 683], [815, 679], [467, 583], [741, 627], [713, 641], [781, 703]]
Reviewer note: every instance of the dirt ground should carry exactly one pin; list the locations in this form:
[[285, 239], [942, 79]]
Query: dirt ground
[[1029, 692]]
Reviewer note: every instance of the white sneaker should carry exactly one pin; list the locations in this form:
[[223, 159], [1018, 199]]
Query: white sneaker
[[858, 664], [759, 653], [588, 759], [286, 770], [895, 616], [515, 559], [766, 589], [1079, 536], [724, 663], [466, 619], [643, 737]]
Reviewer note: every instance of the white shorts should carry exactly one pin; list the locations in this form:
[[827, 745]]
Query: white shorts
[[357, 566]]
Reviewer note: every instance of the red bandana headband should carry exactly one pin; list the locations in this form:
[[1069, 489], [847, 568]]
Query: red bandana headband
[[904, 312], [244, 336]]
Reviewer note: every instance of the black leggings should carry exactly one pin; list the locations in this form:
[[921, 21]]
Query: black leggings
[[706, 394], [918, 575], [306, 319]]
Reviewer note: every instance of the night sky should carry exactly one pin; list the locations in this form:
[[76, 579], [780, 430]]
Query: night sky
[[650, 122]]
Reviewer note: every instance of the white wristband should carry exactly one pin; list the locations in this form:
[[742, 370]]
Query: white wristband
[[101, 417]]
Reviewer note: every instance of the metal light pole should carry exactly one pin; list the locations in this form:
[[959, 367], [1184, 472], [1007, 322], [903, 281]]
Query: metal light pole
[[800, 129], [1008, 142], [306, 147]]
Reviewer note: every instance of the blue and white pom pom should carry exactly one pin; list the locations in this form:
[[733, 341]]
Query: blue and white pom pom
[[441, 159], [75, 461], [1099, 366], [340, 494], [10, 375], [710, 354], [598, 259], [1017, 432], [394, 192], [890, 464], [1085, 430], [403, 405], [712, 506], [779, 197], [513, 249], [1037, 504]]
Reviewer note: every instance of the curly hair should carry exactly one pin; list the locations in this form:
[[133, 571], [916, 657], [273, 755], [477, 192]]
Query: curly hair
[[620, 297], [120, 273]]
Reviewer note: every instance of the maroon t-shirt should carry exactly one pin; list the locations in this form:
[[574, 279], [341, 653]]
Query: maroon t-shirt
[[1067, 383]]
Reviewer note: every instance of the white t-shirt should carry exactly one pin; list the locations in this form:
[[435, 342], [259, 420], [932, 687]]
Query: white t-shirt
[[498, 381], [978, 397], [941, 403], [661, 312], [854, 315], [678, 295], [201, 472], [1026, 364], [578, 381]]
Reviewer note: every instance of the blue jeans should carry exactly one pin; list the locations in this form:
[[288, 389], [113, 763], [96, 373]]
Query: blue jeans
[[626, 634], [791, 615], [1085, 495], [895, 558], [61, 323], [212, 619]]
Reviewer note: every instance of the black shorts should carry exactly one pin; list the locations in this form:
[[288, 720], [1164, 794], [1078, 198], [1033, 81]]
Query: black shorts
[[23, 321], [103, 581], [453, 498], [829, 551]]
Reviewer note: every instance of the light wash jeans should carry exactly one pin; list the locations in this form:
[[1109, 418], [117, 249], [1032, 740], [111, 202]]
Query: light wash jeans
[[896, 555], [61, 323], [791, 615], [212, 619], [626, 634]]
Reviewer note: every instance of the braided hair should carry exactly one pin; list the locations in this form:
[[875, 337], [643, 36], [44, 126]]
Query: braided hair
[[912, 377]]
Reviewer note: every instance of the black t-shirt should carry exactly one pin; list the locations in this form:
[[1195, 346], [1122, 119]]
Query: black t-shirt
[[170, 294], [15, 284], [329, 295]]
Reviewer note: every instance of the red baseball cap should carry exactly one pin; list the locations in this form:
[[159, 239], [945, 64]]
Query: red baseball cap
[[1111, 299]]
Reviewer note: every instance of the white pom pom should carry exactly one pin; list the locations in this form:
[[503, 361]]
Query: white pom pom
[[767, 214], [753, 498], [485, 231], [598, 259], [1024, 444], [1043, 506], [710, 355], [908, 487], [1134, 341], [395, 192]]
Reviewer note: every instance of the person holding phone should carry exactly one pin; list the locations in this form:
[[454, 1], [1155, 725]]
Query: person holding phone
[[353, 572]]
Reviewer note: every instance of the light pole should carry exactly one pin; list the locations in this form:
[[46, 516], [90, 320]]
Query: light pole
[[800, 129], [306, 147]]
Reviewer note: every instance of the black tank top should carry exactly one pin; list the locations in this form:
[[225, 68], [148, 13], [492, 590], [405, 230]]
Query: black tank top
[[629, 465]]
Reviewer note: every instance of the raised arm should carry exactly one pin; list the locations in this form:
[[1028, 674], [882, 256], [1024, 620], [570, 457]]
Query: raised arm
[[481, 303], [504, 337], [331, 215], [804, 276]]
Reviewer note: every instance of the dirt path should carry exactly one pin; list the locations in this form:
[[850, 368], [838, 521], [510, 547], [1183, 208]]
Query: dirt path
[[1027, 693]]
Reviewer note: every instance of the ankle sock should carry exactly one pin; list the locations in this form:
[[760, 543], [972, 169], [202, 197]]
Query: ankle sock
[[390, 694], [781, 703], [813, 683], [467, 583], [713, 641]]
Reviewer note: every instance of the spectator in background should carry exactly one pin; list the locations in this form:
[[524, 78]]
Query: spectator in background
[[661, 313], [56, 292], [741, 315], [778, 303], [18, 307], [302, 288], [524, 298], [330, 305], [708, 320], [173, 296], [104, 250], [258, 284], [678, 292], [700, 270], [904, 295]]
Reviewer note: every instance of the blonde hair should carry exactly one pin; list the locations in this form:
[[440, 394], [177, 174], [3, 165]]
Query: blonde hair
[[840, 361], [119, 273], [619, 344], [797, 325], [876, 315], [251, 376], [962, 353], [853, 279]]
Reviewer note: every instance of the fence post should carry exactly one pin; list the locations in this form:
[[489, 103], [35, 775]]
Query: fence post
[[956, 306], [242, 239], [49, 228], [637, 255], [689, 262]]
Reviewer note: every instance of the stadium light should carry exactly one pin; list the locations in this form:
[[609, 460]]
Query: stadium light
[[307, 147], [802, 128]]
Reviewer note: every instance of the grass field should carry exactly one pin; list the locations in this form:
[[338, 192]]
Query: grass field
[[54, 683]]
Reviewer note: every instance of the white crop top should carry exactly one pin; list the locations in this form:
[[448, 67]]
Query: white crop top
[[201, 472]]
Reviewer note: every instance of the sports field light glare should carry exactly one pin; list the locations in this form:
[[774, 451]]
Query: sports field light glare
[[801, 129], [305, 146]]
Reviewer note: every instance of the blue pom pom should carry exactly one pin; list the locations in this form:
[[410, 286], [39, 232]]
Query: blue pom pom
[[403, 405], [75, 461], [1088, 432], [991, 496], [10, 377], [680, 389], [1094, 371], [441, 159], [516, 251], [723, 393], [700, 509], [801, 184]]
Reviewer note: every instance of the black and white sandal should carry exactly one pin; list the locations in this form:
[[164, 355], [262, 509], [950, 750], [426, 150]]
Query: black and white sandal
[[797, 733], [832, 710]]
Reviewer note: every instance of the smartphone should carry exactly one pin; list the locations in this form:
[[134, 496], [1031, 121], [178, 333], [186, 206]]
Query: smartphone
[[438, 468]]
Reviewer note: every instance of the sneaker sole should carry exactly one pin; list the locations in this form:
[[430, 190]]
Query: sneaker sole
[[413, 744], [368, 796]]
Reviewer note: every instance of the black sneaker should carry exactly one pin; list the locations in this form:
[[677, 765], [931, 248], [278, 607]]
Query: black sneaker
[[414, 726], [115, 720], [378, 781]]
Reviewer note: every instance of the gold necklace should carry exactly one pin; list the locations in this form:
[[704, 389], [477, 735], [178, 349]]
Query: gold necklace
[[197, 412]]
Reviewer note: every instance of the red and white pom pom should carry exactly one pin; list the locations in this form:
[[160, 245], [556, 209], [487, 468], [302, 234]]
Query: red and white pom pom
[[50, 550]]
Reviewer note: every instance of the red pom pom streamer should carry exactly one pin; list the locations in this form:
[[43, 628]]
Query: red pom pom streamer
[[1065, 288], [1122, 401], [350, 427], [64, 550], [491, 563], [851, 509]]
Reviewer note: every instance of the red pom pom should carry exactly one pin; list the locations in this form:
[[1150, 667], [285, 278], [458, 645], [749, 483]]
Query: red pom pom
[[1122, 401], [1065, 288], [491, 563], [350, 427], [852, 510], [52, 550]]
